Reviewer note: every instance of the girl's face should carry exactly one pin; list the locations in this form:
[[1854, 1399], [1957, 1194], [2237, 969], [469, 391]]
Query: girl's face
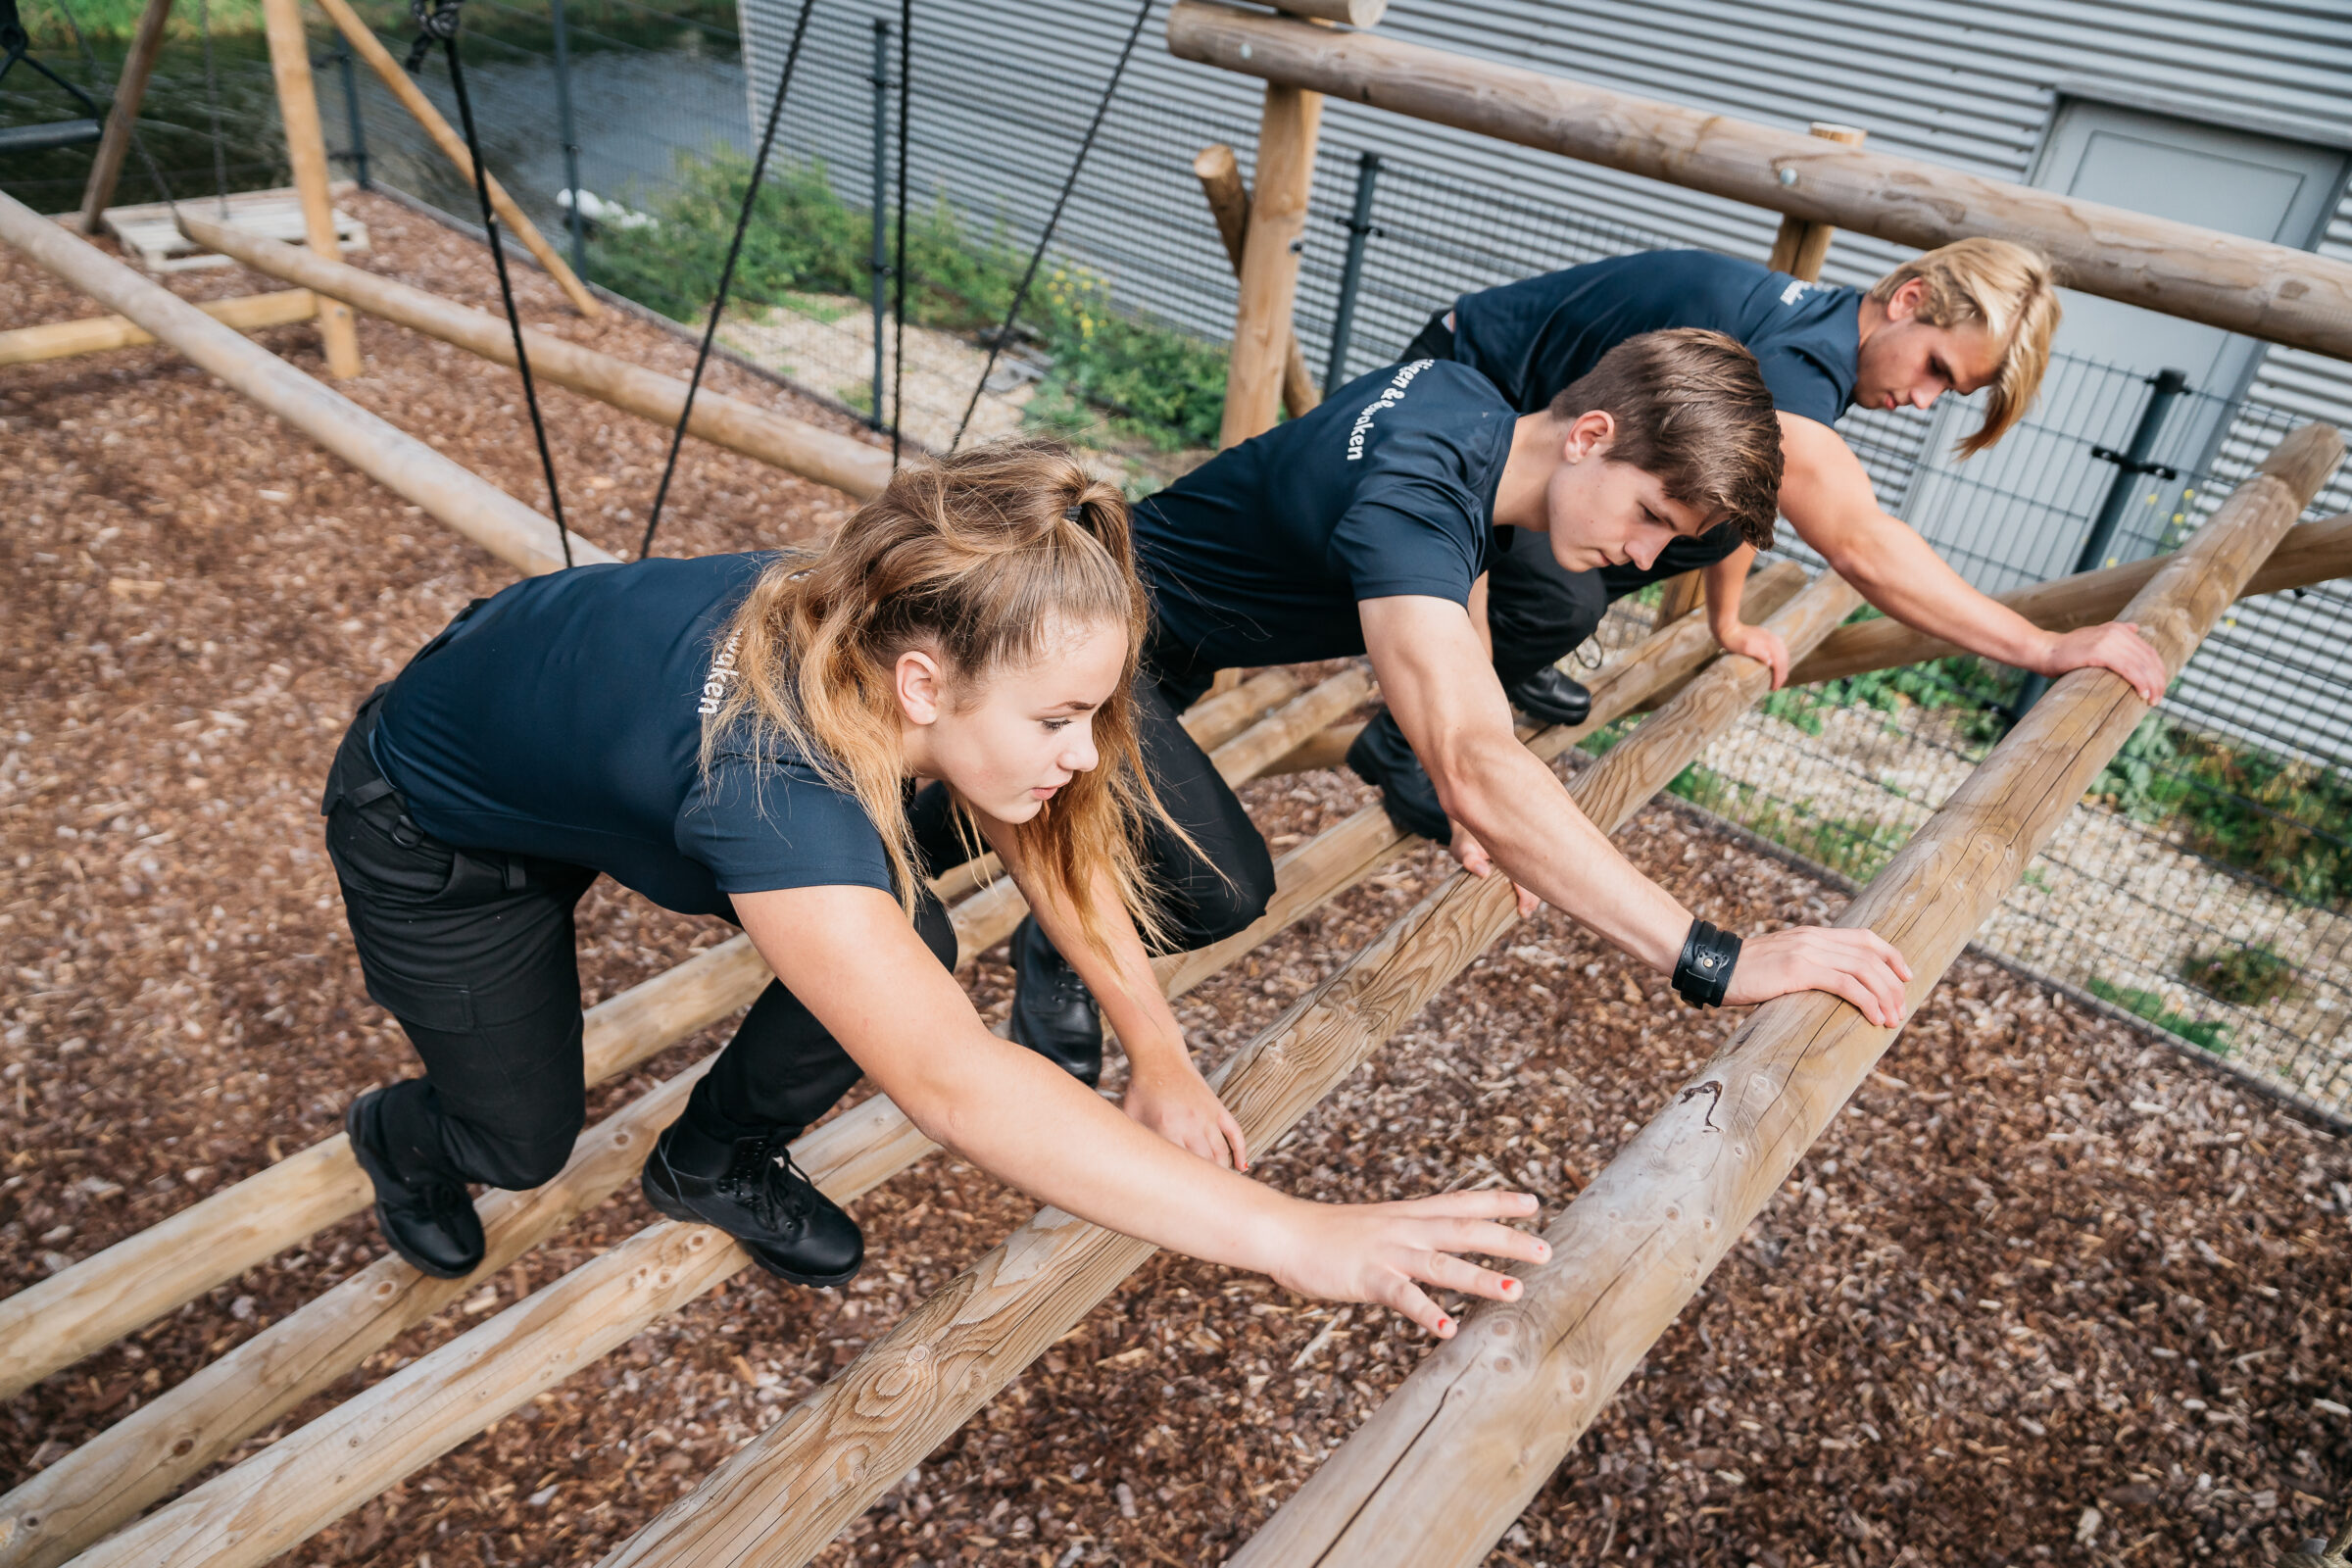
[[1008, 743]]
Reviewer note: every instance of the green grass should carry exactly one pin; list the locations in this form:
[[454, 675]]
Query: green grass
[[2248, 976], [2239, 806], [2213, 1037], [1112, 371]]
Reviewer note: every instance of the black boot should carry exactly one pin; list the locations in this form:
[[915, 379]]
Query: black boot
[[751, 1189], [428, 1219], [1053, 1013], [1383, 758], [1553, 696]]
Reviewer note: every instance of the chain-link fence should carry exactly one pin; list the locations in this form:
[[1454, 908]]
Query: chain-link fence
[[2205, 884]]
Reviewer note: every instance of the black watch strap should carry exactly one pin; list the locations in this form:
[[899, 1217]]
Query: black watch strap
[[1703, 975]]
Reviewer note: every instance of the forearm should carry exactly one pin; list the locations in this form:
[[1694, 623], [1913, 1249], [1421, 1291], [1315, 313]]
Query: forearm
[[1121, 979], [1543, 842], [1727, 584], [1900, 574]]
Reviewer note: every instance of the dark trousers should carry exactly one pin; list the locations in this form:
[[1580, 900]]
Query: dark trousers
[[474, 951]]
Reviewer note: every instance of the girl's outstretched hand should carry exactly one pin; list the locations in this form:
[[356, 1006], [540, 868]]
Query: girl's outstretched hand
[[1386, 1253]]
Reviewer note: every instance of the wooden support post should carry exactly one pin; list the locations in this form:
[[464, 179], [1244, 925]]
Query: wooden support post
[[131, 90], [788, 1490], [1679, 595], [1803, 244], [846, 1157], [1442, 1467], [2311, 553], [367, 47], [1286, 132], [59, 341], [394, 458], [2241, 285], [1220, 176], [306, 149], [80, 1309], [842, 461]]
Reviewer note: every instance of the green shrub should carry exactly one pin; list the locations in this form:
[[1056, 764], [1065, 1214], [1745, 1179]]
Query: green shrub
[[2279, 819], [2213, 1037], [2248, 976]]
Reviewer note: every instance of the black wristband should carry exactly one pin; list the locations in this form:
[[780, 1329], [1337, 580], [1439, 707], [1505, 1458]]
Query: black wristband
[[1704, 973]]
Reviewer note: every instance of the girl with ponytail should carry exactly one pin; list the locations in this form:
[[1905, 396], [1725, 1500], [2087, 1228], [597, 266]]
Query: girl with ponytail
[[799, 744]]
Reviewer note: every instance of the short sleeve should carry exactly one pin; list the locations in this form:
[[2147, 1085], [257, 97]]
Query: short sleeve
[[1419, 519], [762, 825], [1801, 385]]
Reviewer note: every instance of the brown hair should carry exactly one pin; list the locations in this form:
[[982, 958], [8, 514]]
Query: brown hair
[[982, 557], [1692, 409], [2004, 288]]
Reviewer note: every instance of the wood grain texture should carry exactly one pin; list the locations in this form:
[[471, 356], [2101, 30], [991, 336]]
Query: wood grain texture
[[842, 461], [369, 48], [2243, 285], [386, 454], [868, 1144], [1802, 244], [89, 334], [1349, 13], [130, 91], [1220, 176], [1446, 1464], [1287, 132], [791, 1489], [305, 150], [2311, 553], [1679, 595]]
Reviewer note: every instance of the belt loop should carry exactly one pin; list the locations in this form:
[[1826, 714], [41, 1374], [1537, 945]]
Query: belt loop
[[516, 878]]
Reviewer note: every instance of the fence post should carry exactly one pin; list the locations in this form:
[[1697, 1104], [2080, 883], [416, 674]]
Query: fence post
[[878, 267], [569, 129], [356, 153], [2165, 389], [1351, 271]]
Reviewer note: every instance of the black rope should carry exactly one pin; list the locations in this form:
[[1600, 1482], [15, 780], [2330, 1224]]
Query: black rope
[[726, 277], [15, 44], [897, 282], [1069, 184]]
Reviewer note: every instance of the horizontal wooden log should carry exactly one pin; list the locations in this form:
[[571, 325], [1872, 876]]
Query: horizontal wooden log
[[1352, 12], [91, 334], [788, 1492], [865, 1146], [2311, 553], [378, 59], [394, 458], [1446, 1464], [2200, 274], [842, 461]]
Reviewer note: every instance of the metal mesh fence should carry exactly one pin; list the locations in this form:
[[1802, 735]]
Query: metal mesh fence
[[2205, 884]]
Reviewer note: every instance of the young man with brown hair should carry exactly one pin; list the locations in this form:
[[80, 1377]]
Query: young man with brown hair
[[1974, 314], [1368, 527]]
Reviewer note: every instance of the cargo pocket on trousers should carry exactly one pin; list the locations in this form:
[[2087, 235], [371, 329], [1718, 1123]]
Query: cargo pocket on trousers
[[423, 1004]]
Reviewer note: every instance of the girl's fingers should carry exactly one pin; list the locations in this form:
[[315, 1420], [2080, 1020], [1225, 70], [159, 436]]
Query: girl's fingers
[[1233, 1139], [1491, 1203], [1451, 1273], [1529, 904], [1406, 1298], [1487, 1239]]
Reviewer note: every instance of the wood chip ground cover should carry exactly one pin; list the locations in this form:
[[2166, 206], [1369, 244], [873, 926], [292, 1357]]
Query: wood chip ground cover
[[2047, 1292]]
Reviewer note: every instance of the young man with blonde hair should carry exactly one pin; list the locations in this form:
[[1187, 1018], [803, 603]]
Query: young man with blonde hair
[[1974, 314]]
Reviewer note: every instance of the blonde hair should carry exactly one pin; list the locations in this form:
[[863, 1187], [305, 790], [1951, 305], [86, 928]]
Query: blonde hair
[[981, 558], [2006, 289]]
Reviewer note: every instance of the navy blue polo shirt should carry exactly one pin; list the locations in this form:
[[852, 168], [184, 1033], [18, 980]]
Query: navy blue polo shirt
[[1260, 555], [1535, 338], [563, 718]]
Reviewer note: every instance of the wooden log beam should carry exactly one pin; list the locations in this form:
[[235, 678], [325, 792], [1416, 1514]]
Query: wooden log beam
[[1220, 176], [79, 1309], [788, 1492], [305, 151], [464, 501], [839, 460], [2311, 553], [1446, 1464], [58, 340], [1803, 245], [130, 91], [1286, 132], [367, 47], [2242, 285], [853, 1153]]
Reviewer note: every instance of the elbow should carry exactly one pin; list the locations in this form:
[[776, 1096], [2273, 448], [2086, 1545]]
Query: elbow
[[1463, 777]]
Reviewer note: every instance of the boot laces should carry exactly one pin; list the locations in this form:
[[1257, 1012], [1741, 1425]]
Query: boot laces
[[763, 1178]]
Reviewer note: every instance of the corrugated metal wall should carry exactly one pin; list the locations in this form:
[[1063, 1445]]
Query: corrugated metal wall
[[1002, 93]]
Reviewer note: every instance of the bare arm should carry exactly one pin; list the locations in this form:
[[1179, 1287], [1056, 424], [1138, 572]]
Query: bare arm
[[1443, 692], [1727, 584], [849, 955], [1827, 498], [1166, 1092]]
